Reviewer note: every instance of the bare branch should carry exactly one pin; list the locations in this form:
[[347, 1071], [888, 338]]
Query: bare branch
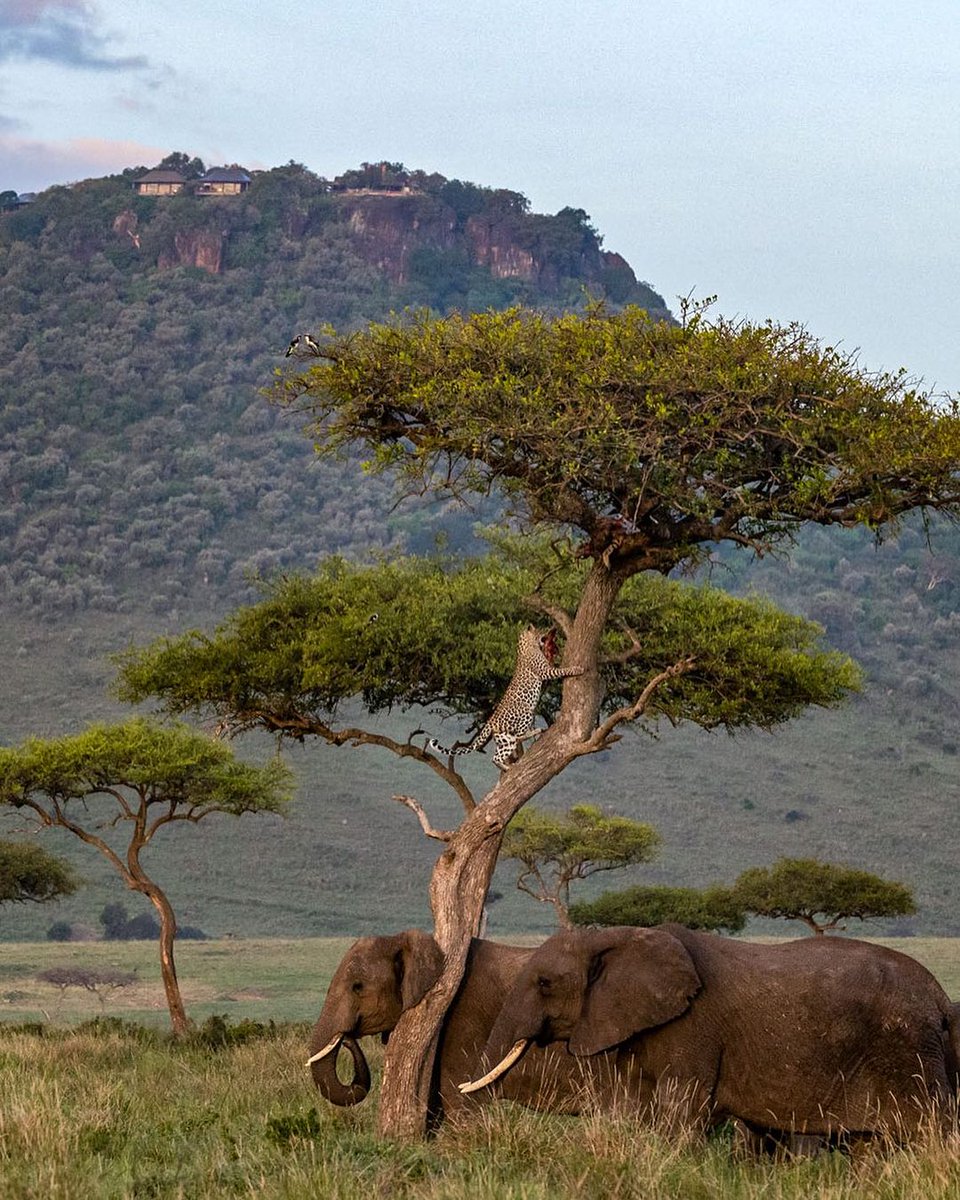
[[299, 727], [440, 835], [600, 738], [560, 617], [624, 656]]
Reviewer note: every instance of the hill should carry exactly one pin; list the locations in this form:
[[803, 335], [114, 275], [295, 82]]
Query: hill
[[138, 464], [144, 482]]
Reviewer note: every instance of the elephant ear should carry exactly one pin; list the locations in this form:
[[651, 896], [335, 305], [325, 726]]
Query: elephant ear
[[637, 980], [419, 962]]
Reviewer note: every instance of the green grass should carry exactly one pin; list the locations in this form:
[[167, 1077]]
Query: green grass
[[266, 979], [119, 1110], [111, 1116]]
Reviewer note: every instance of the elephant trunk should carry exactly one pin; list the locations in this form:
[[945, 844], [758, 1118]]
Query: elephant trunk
[[323, 1068]]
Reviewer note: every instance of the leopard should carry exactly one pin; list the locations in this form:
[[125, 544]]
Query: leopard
[[511, 722]]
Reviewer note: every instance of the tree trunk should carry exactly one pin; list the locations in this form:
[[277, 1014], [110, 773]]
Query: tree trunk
[[168, 968], [139, 882], [463, 871]]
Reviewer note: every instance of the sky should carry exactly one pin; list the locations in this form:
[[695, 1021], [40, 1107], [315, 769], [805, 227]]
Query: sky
[[799, 159]]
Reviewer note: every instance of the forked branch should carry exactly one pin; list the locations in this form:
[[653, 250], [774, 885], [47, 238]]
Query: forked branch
[[440, 835], [601, 738]]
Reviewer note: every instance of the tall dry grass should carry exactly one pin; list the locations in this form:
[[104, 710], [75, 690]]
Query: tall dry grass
[[113, 1114]]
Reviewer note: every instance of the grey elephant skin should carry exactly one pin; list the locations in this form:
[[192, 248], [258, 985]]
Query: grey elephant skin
[[380, 977], [819, 1036]]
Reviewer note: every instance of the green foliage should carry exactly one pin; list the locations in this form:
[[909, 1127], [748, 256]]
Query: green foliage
[[656, 440], [190, 168], [150, 776], [121, 360], [715, 908], [28, 872], [554, 850], [171, 767], [119, 926], [803, 889], [443, 633], [218, 1032]]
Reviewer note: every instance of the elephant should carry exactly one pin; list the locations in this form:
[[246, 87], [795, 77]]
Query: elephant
[[816, 1038], [380, 977]]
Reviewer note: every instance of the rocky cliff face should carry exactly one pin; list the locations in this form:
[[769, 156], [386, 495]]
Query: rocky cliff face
[[494, 245], [387, 230], [408, 235], [201, 248]]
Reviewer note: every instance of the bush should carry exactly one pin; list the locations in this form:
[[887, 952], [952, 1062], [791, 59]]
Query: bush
[[714, 908]]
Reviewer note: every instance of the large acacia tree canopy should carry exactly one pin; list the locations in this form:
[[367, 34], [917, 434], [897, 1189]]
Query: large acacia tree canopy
[[684, 435], [427, 632]]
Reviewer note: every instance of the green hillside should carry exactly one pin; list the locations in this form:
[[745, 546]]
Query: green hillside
[[144, 481]]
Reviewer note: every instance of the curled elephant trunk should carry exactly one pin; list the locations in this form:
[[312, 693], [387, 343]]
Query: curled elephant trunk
[[502, 1067], [323, 1068]]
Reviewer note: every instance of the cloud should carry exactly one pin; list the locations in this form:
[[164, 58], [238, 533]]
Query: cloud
[[30, 166], [59, 31]]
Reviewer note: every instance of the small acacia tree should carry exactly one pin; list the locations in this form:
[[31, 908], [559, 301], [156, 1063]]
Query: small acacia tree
[[140, 777], [638, 446], [28, 872], [714, 908], [553, 850], [101, 981], [804, 889]]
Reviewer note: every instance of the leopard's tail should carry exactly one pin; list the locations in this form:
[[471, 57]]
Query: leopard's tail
[[478, 743]]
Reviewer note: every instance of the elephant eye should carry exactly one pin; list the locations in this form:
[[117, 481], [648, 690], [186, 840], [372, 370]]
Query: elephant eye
[[543, 983], [358, 985]]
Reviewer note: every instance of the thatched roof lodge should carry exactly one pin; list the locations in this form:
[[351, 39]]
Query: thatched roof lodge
[[159, 183]]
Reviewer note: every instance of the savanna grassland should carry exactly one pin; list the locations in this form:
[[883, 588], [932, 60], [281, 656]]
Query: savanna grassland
[[112, 1109], [111, 1113]]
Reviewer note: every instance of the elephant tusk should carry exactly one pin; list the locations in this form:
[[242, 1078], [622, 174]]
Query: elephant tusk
[[332, 1045], [501, 1068]]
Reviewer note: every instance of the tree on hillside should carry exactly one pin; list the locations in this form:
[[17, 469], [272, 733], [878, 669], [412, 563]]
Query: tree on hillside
[[27, 872], [553, 850], [142, 777], [820, 894], [714, 908], [190, 168], [637, 447]]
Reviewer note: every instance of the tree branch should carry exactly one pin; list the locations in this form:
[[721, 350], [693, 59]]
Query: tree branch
[[600, 738], [300, 727], [559, 616], [440, 835], [624, 656]]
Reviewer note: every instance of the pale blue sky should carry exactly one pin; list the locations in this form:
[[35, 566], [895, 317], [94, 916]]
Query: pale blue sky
[[800, 158]]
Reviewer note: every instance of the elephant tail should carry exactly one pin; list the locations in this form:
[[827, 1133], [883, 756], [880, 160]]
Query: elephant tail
[[951, 1037]]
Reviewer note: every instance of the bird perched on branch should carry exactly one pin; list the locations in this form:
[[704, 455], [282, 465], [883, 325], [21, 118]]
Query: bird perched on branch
[[304, 346]]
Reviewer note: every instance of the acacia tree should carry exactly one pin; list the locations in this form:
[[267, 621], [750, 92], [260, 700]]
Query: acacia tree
[[140, 777], [715, 908], [28, 872], [640, 446], [805, 889], [553, 851]]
